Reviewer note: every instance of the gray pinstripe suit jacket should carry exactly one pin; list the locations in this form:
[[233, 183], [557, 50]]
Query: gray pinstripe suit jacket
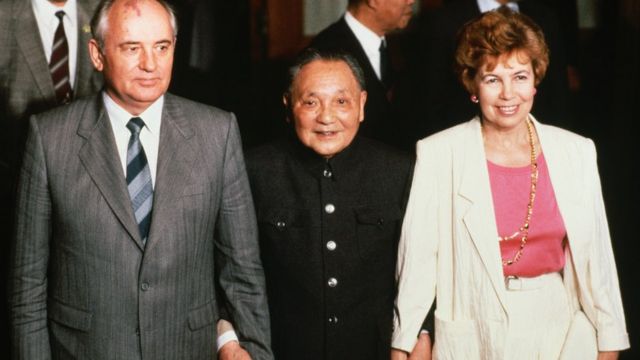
[[82, 286]]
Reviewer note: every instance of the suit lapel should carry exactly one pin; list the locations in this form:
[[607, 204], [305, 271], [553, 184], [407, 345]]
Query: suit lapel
[[84, 68], [99, 156], [362, 57], [562, 172], [479, 218], [176, 155], [30, 44]]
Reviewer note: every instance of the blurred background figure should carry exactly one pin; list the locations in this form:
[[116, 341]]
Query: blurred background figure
[[44, 63], [362, 32]]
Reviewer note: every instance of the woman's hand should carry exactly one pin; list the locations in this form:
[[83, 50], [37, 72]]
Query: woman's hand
[[421, 351], [398, 354], [608, 355]]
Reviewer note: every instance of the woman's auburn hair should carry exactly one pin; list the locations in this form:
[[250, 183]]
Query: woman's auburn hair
[[495, 35]]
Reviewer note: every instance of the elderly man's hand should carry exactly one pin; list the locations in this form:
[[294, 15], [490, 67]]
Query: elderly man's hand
[[233, 351]]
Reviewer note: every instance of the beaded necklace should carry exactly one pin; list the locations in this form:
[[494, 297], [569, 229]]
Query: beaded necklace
[[524, 229]]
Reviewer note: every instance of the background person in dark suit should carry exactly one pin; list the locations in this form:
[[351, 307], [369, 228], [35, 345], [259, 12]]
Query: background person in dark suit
[[329, 205], [114, 258], [27, 39], [361, 33], [27, 36], [441, 100]]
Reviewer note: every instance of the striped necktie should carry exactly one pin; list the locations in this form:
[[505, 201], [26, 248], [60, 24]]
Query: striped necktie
[[59, 63], [139, 179]]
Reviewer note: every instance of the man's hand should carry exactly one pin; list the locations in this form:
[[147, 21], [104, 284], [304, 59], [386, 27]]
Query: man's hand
[[233, 351], [608, 355], [422, 350]]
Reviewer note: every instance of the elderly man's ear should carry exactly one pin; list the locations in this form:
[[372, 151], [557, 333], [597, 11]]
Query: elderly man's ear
[[363, 100], [287, 105]]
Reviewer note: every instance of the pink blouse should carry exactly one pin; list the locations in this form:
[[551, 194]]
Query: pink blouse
[[544, 251]]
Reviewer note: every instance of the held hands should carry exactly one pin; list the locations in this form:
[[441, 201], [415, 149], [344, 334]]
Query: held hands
[[233, 351], [421, 351]]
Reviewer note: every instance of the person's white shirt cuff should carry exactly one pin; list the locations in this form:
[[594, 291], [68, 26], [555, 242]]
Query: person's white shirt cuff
[[226, 337]]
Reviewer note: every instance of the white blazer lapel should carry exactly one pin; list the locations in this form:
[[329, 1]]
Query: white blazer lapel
[[479, 218], [565, 178]]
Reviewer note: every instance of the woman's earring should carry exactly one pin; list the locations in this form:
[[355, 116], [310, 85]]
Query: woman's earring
[[474, 99]]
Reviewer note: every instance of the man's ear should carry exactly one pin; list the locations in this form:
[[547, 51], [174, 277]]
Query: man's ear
[[363, 101], [95, 53], [285, 102]]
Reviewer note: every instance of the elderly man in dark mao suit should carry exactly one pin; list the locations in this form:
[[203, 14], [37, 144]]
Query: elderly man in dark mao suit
[[329, 206]]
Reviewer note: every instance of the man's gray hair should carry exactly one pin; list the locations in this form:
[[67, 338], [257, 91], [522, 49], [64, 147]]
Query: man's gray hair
[[310, 55], [99, 21]]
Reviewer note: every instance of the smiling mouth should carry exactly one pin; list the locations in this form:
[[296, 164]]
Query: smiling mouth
[[326, 133], [508, 110]]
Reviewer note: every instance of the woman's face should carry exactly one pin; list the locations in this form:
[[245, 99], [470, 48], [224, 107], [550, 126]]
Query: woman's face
[[506, 92]]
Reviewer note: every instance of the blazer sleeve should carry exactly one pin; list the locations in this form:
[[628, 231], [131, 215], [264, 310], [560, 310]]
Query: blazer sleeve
[[602, 289], [30, 255], [417, 253], [240, 274]]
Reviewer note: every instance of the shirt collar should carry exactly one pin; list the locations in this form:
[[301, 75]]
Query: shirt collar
[[45, 11], [151, 116], [488, 5], [370, 40]]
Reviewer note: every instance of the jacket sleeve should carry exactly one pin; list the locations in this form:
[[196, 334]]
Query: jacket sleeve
[[602, 291], [30, 255], [417, 254], [240, 274]]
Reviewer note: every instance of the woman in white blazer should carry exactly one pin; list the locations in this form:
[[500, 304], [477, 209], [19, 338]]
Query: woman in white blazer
[[505, 224]]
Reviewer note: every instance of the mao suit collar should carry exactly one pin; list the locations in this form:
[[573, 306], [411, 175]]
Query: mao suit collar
[[339, 165]]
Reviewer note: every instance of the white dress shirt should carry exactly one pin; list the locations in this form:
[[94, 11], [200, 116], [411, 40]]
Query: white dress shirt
[[488, 5], [149, 135], [45, 14], [369, 41]]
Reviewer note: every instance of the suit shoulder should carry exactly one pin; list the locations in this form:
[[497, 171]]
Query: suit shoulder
[[265, 154], [332, 37], [70, 113], [199, 112]]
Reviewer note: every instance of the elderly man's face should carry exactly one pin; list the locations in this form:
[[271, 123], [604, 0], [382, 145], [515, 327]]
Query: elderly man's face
[[327, 105], [137, 56], [394, 14]]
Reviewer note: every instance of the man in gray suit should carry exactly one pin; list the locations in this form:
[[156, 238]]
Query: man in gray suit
[[28, 42], [134, 218], [27, 37]]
